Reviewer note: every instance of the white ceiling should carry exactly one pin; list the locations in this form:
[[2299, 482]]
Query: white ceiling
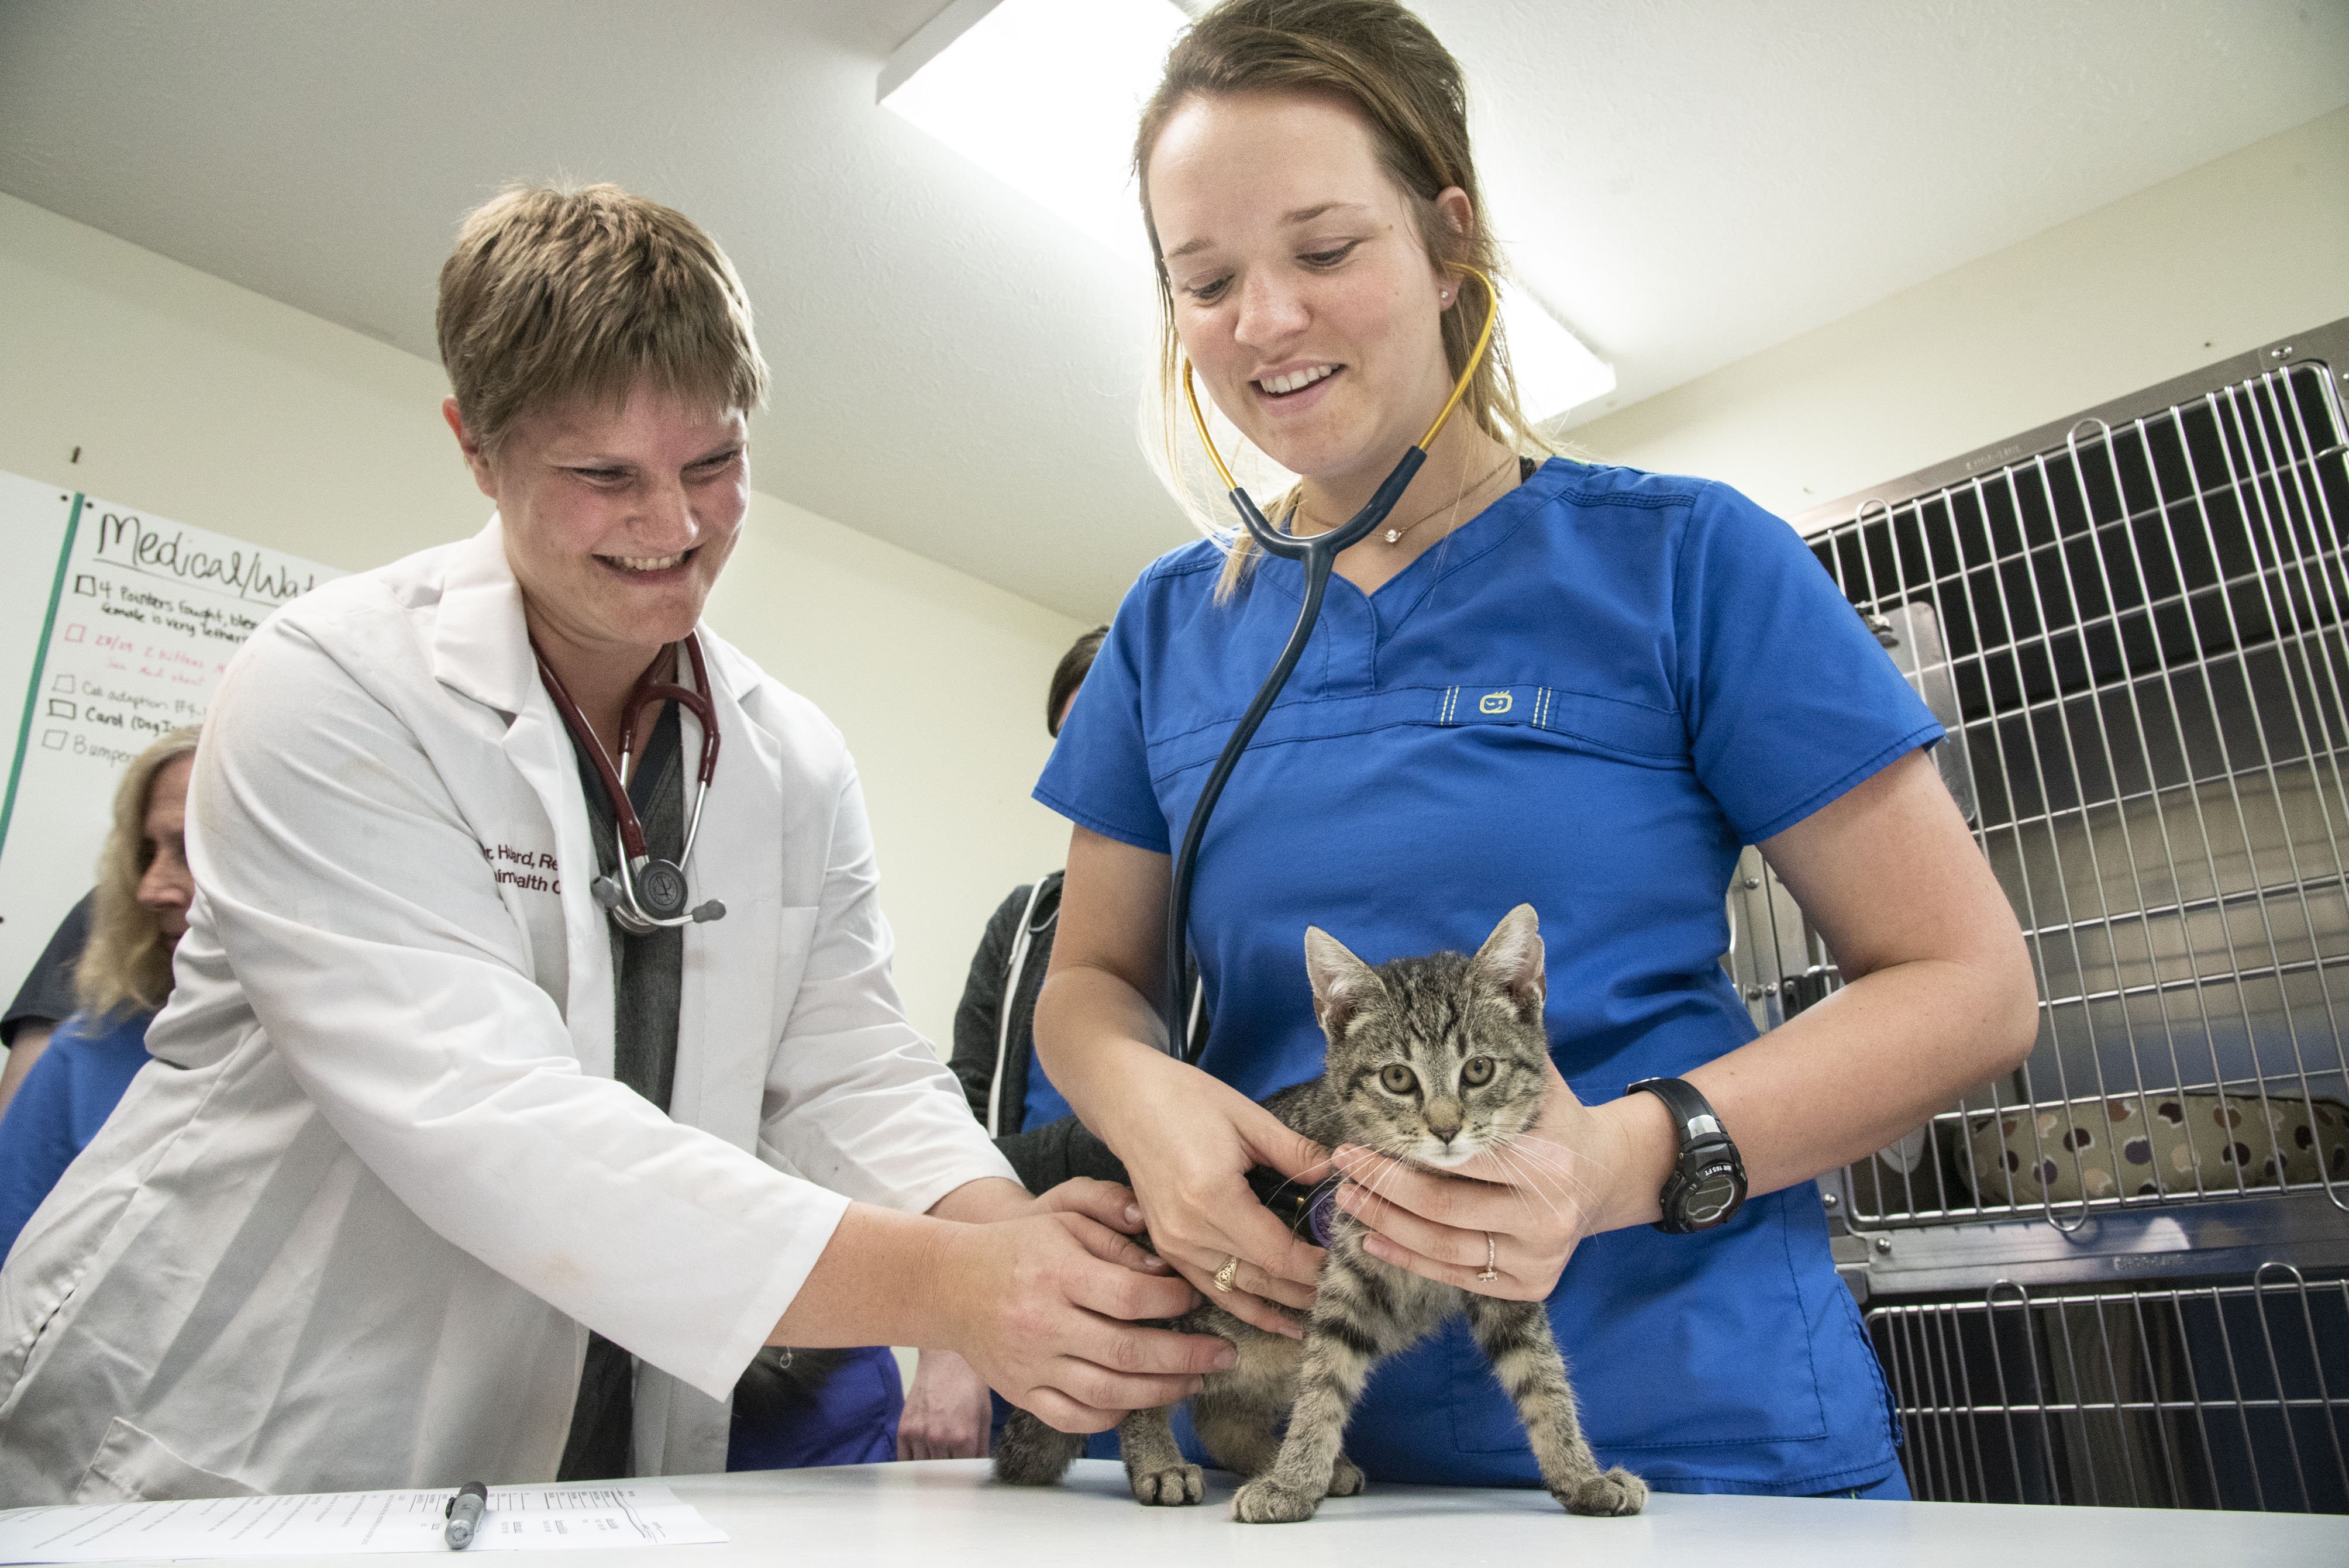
[[1685, 182]]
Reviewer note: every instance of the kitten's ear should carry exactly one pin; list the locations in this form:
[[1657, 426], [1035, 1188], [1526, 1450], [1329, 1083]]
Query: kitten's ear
[[1512, 958], [1340, 980]]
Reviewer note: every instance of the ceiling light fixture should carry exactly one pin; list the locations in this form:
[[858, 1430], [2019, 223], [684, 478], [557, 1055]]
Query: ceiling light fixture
[[1044, 94]]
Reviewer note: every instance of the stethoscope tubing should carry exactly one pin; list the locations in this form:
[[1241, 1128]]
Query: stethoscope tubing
[[1318, 554], [629, 828]]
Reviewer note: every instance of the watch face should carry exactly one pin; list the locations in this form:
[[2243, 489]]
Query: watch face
[[1709, 1196]]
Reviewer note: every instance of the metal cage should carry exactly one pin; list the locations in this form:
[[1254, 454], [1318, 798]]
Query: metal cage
[[2221, 1395], [2134, 627]]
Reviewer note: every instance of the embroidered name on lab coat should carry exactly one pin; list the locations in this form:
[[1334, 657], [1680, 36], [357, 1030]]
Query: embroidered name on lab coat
[[531, 870]]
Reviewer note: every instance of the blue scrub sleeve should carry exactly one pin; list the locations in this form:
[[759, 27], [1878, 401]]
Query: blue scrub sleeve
[[1788, 698], [1098, 775], [37, 1141]]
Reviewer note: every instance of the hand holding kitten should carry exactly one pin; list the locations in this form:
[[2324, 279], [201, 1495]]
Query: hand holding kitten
[[1188, 1154], [1535, 1199]]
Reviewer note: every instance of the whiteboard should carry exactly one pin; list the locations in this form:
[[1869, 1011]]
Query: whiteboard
[[116, 631]]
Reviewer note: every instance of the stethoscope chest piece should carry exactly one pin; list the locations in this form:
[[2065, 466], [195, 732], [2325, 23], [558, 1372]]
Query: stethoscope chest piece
[[661, 892]]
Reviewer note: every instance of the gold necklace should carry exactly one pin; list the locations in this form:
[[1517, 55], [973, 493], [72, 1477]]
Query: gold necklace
[[1395, 536]]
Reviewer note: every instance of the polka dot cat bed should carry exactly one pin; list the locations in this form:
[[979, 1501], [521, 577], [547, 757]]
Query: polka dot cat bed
[[2159, 1145]]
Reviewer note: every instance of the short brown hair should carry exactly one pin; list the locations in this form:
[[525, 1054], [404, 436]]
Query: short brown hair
[[126, 967], [1382, 60], [1068, 675], [554, 294]]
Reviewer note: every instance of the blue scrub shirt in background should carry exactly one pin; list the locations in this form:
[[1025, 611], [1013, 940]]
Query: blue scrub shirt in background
[[61, 1104], [1586, 698]]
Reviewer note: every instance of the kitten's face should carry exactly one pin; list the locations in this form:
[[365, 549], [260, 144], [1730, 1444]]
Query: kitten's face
[[1437, 1059]]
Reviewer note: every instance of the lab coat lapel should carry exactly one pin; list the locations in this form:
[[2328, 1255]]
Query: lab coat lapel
[[481, 650], [726, 1028]]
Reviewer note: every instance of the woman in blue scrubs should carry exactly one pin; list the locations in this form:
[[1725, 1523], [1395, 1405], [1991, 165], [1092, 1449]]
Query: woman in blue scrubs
[[1575, 685]]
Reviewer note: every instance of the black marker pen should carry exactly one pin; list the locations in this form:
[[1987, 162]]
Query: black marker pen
[[464, 1512]]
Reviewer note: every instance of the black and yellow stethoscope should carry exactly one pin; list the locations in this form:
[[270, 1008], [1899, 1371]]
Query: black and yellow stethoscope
[[645, 893], [1320, 554]]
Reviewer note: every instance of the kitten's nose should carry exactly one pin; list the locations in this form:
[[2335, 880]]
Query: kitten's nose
[[1444, 1119]]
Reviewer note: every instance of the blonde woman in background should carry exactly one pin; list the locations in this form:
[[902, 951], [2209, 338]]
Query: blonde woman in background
[[125, 973]]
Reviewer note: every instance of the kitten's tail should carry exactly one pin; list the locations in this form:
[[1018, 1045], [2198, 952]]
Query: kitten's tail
[[1033, 1454]]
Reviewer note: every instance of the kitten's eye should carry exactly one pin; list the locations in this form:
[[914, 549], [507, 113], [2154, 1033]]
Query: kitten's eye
[[1477, 1071], [1398, 1079]]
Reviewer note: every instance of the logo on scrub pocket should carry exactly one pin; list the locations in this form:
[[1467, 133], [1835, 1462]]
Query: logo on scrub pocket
[[1493, 701]]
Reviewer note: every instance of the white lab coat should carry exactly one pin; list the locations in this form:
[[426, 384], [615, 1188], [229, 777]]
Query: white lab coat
[[352, 1227]]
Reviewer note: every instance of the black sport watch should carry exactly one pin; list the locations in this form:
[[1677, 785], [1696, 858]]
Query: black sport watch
[[1708, 1185]]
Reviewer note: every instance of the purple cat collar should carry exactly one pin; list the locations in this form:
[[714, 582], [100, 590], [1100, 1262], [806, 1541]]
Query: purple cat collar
[[1320, 1215]]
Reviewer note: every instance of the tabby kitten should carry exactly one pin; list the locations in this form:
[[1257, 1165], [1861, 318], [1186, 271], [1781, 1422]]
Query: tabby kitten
[[1431, 1061]]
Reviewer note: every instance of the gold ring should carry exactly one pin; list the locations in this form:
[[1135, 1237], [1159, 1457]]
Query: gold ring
[[1488, 1276], [1228, 1273]]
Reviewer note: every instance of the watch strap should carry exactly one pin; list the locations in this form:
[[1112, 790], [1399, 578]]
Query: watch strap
[[1692, 1115]]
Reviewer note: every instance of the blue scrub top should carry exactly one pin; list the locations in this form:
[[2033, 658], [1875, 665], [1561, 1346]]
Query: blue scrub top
[[60, 1106], [1586, 698]]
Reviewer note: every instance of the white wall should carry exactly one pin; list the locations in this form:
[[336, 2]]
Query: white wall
[[2246, 249], [204, 403]]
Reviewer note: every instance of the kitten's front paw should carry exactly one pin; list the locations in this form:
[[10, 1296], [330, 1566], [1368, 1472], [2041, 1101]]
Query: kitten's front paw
[[1169, 1488], [1615, 1492], [1345, 1478], [1266, 1501]]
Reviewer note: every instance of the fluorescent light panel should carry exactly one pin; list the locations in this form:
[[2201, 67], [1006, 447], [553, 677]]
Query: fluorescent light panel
[[1044, 94]]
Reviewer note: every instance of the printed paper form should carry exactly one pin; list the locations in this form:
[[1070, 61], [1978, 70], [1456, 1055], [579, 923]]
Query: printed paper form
[[520, 1518]]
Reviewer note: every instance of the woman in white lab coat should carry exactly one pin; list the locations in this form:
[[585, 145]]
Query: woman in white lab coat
[[354, 1226]]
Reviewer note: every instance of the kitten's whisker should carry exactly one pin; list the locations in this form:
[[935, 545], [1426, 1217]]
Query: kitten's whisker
[[1528, 1142], [1546, 1167], [1519, 1187], [1556, 1157], [1528, 1182]]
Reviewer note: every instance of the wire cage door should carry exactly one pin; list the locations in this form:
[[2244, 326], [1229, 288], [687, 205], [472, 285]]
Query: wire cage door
[[2209, 1396], [2136, 640]]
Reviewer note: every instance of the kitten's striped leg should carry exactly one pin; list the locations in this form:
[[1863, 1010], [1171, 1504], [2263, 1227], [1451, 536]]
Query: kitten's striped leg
[[1330, 1370], [1155, 1468], [1516, 1339]]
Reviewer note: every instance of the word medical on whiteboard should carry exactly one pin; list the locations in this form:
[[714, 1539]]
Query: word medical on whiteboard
[[173, 553]]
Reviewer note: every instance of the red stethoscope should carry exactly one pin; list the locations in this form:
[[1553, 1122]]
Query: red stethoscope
[[645, 894]]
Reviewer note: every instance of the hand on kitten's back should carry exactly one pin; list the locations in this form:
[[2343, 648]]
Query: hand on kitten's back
[[1106, 1201], [1189, 1161]]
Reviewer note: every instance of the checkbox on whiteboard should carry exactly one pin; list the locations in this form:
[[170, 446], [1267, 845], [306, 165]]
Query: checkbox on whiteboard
[[63, 684], [74, 633], [60, 708], [84, 583], [53, 739]]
